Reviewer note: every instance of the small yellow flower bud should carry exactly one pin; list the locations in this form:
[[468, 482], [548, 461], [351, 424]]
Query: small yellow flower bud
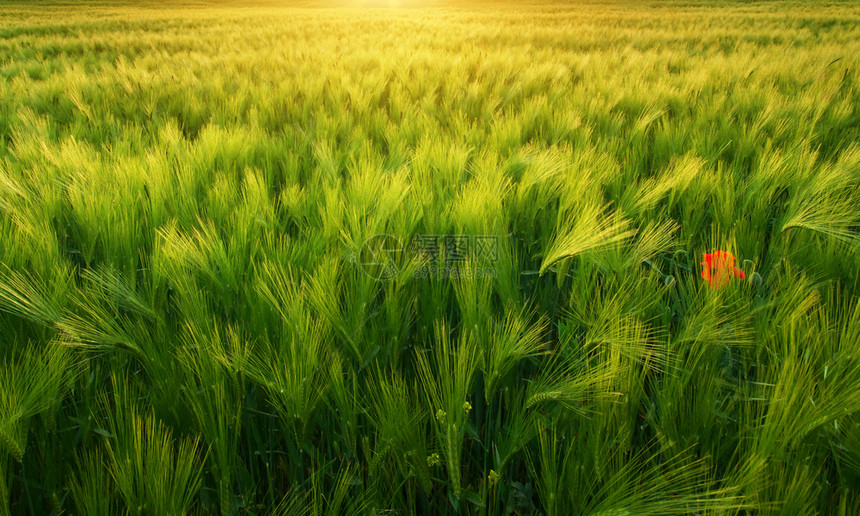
[[433, 460]]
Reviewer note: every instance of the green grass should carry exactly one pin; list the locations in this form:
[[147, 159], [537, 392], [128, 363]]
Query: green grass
[[187, 325]]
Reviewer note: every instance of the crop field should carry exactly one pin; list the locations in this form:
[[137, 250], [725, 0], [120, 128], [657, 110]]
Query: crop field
[[393, 258]]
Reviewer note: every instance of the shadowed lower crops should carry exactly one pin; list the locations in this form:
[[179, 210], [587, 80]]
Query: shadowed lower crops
[[188, 324]]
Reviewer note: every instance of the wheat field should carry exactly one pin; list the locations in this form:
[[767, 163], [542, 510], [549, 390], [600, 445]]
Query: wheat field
[[430, 258]]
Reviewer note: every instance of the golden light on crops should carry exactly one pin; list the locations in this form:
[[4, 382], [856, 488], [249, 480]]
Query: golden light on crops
[[429, 257]]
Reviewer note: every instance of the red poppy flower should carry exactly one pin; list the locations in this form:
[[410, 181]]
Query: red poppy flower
[[718, 269]]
